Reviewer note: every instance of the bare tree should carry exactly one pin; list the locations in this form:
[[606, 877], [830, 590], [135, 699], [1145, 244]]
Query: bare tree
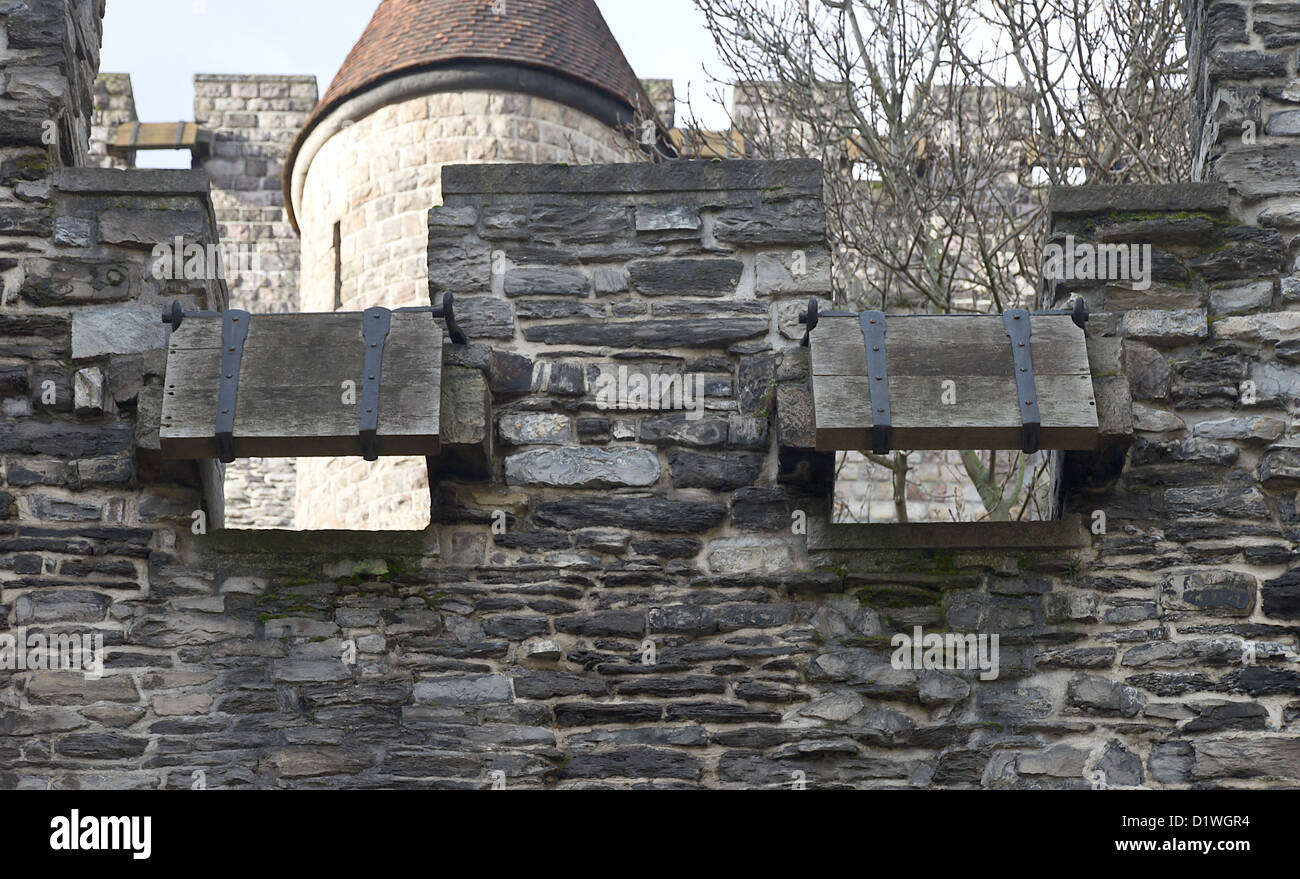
[[940, 123]]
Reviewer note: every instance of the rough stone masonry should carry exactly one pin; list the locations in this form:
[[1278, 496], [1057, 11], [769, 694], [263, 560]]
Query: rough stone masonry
[[622, 598]]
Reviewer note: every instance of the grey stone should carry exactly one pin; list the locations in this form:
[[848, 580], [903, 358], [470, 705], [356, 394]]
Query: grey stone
[[522, 429], [1245, 252], [761, 509], [124, 378], [547, 281], [1220, 593], [1060, 761], [40, 721], [749, 555], [150, 227], [614, 623], [1120, 767], [1263, 170], [311, 670], [1249, 427], [1227, 500], [1247, 757], [1286, 122], [88, 391], [633, 762], [1153, 420], [608, 281], [553, 309], [61, 688], [870, 673], [579, 222], [510, 374], [1013, 702], [1247, 297], [1212, 717], [60, 606], [72, 231], [668, 548], [680, 430], [583, 467], [57, 509], [569, 714], [1147, 370], [1097, 695], [667, 218], [1280, 596], [937, 688], [485, 317], [308, 762], [1278, 24], [685, 277], [128, 329], [1275, 381], [1171, 762], [1259, 680], [1174, 654], [461, 269], [1284, 214], [546, 649], [747, 432], [717, 472], [1280, 466], [836, 707], [1166, 327], [801, 272], [638, 513], [655, 335], [793, 223], [458, 690], [102, 746]]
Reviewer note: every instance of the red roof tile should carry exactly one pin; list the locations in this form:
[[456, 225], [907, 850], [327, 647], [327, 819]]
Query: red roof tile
[[569, 37]]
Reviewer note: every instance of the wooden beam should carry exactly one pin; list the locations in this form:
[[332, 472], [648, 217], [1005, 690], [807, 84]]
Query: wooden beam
[[131, 136], [291, 397], [978, 409]]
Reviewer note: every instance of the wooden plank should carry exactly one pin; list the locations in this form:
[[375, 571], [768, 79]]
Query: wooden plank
[[948, 345], [973, 352], [984, 416], [291, 390], [155, 136]]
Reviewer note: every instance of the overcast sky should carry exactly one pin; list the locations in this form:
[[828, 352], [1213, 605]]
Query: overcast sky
[[163, 43]]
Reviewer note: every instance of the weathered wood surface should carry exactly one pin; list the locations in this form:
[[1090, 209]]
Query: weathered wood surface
[[974, 353], [158, 136], [291, 387]]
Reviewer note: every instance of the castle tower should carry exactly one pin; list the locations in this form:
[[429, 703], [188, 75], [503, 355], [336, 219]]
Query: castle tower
[[430, 83]]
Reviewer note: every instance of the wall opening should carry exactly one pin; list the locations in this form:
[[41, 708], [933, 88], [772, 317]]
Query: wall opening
[[941, 486]]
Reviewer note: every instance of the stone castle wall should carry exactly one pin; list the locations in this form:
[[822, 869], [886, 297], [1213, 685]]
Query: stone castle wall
[[646, 614], [625, 598], [376, 179]]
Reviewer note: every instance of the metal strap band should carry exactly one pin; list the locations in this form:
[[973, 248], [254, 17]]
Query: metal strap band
[[135, 133], [234, 330], [375, 324], [873, 334], [180, 133], [1016, 322]]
